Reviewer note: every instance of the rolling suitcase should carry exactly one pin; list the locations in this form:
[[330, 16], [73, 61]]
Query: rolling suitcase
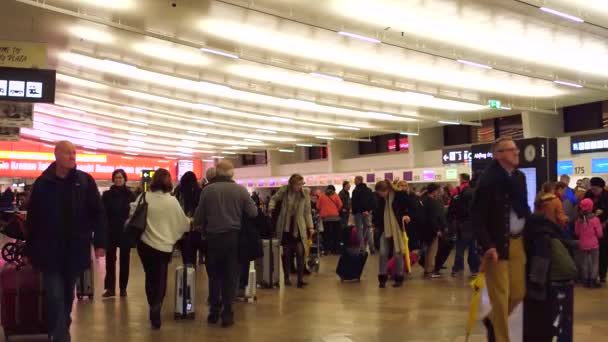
[[250, 290], [85, 285], [23, 304], [350, 266], [268, 266], [185, 281]]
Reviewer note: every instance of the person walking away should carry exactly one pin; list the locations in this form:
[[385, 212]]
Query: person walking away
[[330, 207], [389, 218], [346, 204], [459, 215], [499, 213], [220, 212], [362, 205], [436, 226], [294, 223], [188, 193], [117, 203], [589, 230], [166, 224], [64, 211], [599, 196], [550, 205], [7, 198]]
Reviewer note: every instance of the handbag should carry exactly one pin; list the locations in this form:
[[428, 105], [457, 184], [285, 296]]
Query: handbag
[[137, 223], [562, 266]]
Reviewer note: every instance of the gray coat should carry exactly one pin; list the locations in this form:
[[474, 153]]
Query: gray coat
[[303, 212]]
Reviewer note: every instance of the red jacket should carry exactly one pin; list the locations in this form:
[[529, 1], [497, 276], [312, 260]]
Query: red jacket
[[329, 206]]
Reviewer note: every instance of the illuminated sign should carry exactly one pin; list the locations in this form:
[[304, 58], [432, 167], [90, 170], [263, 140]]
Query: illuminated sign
[[565, 167], [404, 144], [456, 156], [451, 174], [428, 175], [392, 145], [589, 143], [388, 176], [408, 176], [599, 165], [27, 85], [41, 156], [371, 177]]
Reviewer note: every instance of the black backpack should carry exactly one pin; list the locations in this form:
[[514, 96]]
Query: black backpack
[[459, 209]]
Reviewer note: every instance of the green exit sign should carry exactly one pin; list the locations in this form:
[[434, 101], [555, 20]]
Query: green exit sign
[[494, 104]]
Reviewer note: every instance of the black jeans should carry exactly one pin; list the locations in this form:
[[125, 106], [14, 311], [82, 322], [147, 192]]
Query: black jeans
[[155, 265], [445, 248], [125, 259], [223, 270]]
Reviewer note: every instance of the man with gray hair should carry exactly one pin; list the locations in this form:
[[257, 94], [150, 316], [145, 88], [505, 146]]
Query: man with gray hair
[[211, 174], [220, 211]]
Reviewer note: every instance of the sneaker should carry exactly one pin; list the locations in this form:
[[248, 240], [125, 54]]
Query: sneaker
[[108, 294], [123, 293], [436, 275]]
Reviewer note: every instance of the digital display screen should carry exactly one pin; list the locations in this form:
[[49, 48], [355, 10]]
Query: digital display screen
[[530, 173], [428, 175], [565, 167], [404, 144], [392, 145], [589, 143], [27, 85], [599, 165]]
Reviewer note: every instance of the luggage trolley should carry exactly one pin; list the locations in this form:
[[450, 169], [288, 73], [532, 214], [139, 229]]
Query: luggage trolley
[[12, 224]]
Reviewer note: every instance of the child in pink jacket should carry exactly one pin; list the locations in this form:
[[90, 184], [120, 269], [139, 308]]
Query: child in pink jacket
[[589, 230]]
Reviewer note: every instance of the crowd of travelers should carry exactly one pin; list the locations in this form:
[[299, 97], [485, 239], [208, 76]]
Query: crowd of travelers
[[484, 217]]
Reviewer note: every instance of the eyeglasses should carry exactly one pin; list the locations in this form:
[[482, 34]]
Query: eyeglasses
[[514, 149]]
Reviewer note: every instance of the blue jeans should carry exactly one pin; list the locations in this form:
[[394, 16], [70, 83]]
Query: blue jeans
[[364, 232], [472, 258], [386, 245], [60, 297]]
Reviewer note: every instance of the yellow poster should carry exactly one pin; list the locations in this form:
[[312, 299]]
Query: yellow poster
[[22, 54]]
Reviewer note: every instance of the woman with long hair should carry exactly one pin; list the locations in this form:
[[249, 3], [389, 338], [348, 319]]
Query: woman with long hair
[[188, 194], [116, 202], [166, 224], [294, 223]]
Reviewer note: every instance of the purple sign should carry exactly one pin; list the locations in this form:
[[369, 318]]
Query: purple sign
[[428, 175], [250, 183], [408, 176], [261, 182], [388, 176], [272, 182], [284, 181], [371, 178], [239, 182]]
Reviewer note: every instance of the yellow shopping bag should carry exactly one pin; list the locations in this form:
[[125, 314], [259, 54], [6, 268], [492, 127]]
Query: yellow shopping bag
[[406, 252], [478, 284]]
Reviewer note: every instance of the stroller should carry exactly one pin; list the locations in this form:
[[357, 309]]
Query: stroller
[[314, 247], [12, 224]]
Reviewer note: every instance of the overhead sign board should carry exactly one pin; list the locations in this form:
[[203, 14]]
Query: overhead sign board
[[22, 54], [589, 143], [456, 155], [27, 85]]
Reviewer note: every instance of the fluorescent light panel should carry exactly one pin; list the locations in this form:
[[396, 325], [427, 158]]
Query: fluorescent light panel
[[327, 77], [325, 138], [409, 133], [569, 84], [562, 14], [136, 110], [304, 145], [474, 64], [205, 122], [285, 150], [220, 53], [358, 36], [139, 123], [449, 122], [138, 133], [197, 133], [266, 131], [350, 128]]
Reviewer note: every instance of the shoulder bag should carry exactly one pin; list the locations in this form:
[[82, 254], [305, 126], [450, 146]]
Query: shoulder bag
[[137, 223]]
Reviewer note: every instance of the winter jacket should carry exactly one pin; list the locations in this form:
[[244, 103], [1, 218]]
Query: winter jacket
[[329, 206], [116, 203], [346, 202], [492, 205], [552, 208], [401, 207], [250, 241], [435, 219], [64, 216], [7, 198], [363, 199], [303, 214], [589, 231]]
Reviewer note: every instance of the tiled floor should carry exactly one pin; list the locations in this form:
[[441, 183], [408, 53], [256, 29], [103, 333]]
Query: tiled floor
[[327, 311]]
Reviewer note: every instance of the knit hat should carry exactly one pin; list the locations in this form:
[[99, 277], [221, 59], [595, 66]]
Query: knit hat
[[586, 206], [597, 181]]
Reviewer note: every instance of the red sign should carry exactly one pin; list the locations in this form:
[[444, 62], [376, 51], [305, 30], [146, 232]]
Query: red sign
[[29, 159], [392, 145], [404, 144]]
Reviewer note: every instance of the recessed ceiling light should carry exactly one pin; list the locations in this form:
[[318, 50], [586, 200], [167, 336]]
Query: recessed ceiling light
[[562, 14], [217, 157], [409, 133], [228, 152], [285, 150], [220, 53], [304, 145], [414, 94], [325, 138], [358, 36], [473, 64], [327, 77], [136, 142], [213, 86], [349, 128]]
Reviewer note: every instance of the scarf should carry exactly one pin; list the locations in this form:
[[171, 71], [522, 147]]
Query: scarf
[[392, 228]]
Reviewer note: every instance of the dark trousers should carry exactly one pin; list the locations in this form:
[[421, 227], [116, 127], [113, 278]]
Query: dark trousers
[[125, 260], [192, 248], [155, 264], [60, 297], [463, 244], [223, 269], [445, 248], [243, 275], [332, 236], [603, 258]]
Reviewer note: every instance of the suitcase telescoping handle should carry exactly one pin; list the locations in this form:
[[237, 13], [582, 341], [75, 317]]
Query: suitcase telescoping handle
[[184, 287]]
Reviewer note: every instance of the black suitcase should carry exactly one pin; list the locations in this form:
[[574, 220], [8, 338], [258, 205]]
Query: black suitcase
[[350, 266], [551, 320]]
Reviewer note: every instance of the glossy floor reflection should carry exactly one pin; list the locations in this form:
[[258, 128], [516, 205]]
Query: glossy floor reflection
[[327, 311]]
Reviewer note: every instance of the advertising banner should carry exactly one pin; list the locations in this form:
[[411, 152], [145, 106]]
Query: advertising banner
[[22, 54], [16, 114]]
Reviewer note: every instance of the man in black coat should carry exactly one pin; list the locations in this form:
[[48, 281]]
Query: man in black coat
[[435, 226], [64, 212], [346, 204], [363, 202], [499, 212]]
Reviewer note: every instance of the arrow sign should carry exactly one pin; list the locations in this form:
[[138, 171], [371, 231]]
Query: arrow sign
[[445, 157]]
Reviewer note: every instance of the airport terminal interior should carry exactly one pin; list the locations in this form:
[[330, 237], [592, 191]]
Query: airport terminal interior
[[337, 91]]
